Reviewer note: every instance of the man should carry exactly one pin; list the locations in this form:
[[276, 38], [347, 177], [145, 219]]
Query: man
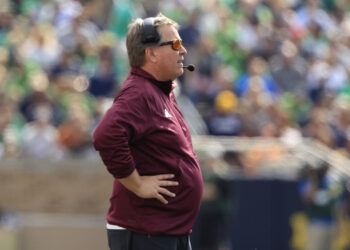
[[145, 144], [320, 195]]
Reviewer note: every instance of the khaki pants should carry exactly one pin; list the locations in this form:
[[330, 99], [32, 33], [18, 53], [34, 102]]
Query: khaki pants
[[320, 236]]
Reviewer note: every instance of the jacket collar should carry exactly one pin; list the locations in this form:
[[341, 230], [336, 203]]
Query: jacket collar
[[165, 86]]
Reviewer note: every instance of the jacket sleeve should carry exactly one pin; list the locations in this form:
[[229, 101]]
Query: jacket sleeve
[[125, 122]]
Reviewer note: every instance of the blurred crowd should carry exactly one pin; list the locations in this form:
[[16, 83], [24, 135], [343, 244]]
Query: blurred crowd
[[273, 68]]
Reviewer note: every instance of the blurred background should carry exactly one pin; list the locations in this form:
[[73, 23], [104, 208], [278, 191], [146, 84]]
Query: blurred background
[[268, 107]]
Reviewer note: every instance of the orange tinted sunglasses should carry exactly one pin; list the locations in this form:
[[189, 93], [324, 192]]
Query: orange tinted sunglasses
[[175, 44]]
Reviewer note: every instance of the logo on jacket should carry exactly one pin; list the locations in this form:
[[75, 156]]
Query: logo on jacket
[[167, 113]]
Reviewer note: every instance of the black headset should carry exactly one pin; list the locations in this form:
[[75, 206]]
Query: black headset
[[150, 33]]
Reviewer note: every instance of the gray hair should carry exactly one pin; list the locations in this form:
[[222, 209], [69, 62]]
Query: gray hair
[[136, 49]]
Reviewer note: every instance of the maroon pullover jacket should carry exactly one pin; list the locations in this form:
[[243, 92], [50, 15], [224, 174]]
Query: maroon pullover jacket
[[144, 129]]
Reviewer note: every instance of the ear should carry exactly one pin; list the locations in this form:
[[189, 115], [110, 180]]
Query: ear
[[151, 55]]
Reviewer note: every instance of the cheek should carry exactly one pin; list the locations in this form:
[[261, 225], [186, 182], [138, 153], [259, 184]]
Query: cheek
[[170, 60]]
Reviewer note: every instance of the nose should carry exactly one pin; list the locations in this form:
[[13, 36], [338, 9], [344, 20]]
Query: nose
[[183, 50]]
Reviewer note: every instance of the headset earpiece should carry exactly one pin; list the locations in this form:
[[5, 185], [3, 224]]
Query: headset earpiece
[[150, 33]]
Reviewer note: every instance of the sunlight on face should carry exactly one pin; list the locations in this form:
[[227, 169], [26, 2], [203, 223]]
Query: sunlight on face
[[170, 61]]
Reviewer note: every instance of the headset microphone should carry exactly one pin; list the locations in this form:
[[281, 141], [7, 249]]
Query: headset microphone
[[189, 67]]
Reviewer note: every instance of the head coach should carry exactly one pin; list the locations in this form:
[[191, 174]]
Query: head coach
[[145, 143]]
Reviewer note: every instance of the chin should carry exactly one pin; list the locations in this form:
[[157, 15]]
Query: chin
[[179, 74]]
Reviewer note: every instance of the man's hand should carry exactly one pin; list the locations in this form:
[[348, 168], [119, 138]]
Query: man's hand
[[153, 187], [150, 186]]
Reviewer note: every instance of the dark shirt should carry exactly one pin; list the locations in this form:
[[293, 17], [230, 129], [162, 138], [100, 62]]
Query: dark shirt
[[102, 84], [144, 129]]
